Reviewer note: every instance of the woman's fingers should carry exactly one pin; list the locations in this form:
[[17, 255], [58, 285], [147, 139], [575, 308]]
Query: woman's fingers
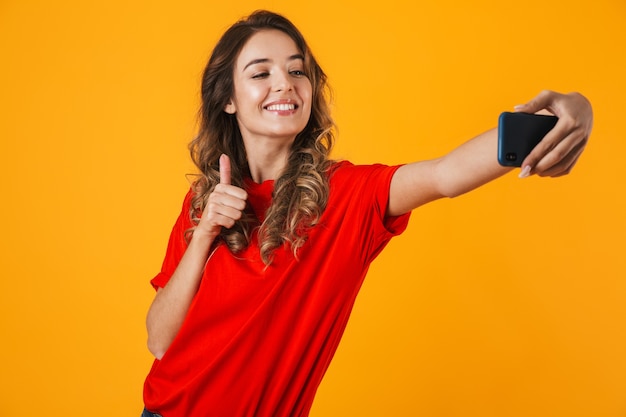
[[225, 169], [555, 146], [540, 102], [565, 164]]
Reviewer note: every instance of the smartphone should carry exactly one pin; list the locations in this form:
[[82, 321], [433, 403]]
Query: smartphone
[[519, 133]]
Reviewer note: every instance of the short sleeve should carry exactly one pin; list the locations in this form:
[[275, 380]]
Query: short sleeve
[[379, 180], [365, 195], [394, 225], [176, 245]]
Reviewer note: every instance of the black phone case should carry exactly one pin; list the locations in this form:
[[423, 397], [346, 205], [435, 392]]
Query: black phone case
[[519, 133]]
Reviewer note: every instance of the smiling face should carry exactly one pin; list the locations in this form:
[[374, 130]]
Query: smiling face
[[272, 93]]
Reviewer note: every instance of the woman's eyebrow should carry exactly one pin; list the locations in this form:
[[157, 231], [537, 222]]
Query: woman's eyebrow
[[265, 60], [296, 56]]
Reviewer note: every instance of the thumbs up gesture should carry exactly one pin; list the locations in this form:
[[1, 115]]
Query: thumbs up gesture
[[225, 205]]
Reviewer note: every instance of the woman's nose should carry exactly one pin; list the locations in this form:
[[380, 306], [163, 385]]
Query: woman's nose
[[282, 82]]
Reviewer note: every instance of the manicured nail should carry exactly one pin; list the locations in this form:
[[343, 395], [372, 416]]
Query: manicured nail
[[519, 107], [525, 172]]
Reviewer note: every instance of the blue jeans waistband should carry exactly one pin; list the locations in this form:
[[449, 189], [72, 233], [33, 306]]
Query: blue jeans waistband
[[147, 413]]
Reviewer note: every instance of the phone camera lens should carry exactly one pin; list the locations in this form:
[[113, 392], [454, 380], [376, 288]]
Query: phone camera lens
[[511, 156]]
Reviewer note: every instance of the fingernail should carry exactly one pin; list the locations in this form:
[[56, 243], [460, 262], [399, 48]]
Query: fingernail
[[525, 172], [519, 107]]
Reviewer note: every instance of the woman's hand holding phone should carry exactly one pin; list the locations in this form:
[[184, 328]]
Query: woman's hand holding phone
[[557, 153]]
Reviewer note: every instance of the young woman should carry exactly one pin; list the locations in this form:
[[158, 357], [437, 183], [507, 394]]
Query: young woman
[[273, 242]]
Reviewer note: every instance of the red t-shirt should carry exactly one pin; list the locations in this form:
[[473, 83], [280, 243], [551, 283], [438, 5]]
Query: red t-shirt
[[257, 340]]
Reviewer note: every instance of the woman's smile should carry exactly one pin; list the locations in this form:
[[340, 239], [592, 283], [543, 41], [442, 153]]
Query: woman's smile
[[282, 107]]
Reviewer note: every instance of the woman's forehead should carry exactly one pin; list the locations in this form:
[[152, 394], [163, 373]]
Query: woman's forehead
[[268, 46]]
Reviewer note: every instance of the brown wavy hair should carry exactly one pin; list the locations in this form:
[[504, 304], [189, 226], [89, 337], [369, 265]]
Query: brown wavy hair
[[301, 192]]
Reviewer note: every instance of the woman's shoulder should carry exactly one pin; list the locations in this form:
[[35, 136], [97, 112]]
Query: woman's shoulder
[[336, 166], [345, 168]]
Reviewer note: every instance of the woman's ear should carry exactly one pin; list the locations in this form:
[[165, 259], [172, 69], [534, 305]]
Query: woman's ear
[[230, 108]]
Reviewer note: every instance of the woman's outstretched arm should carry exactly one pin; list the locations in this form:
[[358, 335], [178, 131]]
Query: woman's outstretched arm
[[474, 163]]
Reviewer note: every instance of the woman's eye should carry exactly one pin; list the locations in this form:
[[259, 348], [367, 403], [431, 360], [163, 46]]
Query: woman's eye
[[298, 73], [260, 75]]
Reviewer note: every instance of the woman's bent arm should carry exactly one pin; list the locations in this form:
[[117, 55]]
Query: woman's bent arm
[[170, 305], [225, 205]]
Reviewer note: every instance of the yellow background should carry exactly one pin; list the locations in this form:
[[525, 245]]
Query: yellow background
[[508, 301]]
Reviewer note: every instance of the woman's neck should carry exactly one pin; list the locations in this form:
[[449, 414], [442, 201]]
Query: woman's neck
[[266, 159]]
